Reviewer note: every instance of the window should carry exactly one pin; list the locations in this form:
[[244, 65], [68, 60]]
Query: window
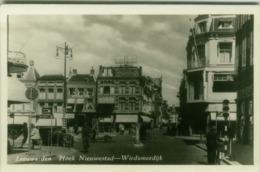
[[121, 103], [81, 91], [132, 89], [72, 91], [131, 103], [202, 27], [201, 51], [106, 90], [90, 91], [244, 52], [251, 48], [225, 24], [59, 93], [225, 52], [50, 90], [224, 83]]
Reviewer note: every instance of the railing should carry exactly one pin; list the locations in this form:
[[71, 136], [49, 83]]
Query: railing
[[16, 57], [198, 63]]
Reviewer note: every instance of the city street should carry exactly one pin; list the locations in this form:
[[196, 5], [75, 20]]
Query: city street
[[157, 149]]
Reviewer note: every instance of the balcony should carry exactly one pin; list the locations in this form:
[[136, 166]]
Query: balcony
[[198, 63], [16, 62]]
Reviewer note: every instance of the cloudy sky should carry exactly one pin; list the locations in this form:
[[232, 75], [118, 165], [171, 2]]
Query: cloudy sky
[[157, 41]]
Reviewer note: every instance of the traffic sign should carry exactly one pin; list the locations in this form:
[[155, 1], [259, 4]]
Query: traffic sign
[[31, 93]]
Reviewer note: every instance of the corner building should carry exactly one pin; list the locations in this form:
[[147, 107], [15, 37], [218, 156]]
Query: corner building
[[244, 75], [209, 76]]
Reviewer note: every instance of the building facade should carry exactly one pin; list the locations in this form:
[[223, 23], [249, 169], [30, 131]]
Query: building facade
[[209, 76], [119, 94], [50, 88], [81, 97], [244, 77], [18, 105]]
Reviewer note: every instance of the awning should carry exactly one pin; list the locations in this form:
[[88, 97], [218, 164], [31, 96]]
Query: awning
[[16, 91], [70, 101], [46, 122], [106, 100], [232, 117], [106, 120], [18, 119], [146, 119], [127, 118], [69, 115]]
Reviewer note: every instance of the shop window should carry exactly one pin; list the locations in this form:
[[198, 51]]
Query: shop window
[[225, 52]]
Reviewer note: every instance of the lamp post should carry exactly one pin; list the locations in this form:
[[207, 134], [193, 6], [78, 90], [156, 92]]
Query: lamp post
[[67, 53]]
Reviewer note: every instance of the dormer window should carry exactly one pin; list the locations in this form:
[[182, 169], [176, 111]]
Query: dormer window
[[202, 27]]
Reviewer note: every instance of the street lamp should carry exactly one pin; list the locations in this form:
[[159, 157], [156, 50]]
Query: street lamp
[[67, 54]]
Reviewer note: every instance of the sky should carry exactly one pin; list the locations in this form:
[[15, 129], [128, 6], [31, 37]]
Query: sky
[[157, 42]]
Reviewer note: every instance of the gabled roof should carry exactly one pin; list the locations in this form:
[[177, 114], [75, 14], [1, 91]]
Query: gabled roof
[[82, 78], [52, 77]]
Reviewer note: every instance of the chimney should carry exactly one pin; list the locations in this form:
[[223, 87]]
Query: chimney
[[74, 71], [92, 71], [140, 70], [31, 63]]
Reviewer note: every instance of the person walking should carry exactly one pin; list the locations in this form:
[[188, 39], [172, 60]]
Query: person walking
[[35, 135], [85, 137], [212, 145], [25, 134]]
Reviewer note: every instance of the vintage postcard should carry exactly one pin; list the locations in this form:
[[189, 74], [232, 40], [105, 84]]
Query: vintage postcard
[[102, 87]]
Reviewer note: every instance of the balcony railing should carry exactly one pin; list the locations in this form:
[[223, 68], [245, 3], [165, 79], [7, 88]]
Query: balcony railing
[[16, 57], [198, 63]]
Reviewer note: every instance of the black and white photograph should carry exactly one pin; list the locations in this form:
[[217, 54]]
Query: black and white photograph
[[128, 85]]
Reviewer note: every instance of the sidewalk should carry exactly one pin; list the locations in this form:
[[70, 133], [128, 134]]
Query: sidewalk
[[21, 155], [239, 155]]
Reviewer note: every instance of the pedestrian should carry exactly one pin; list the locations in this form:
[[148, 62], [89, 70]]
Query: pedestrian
[[76, 128], [25, 134], [212, 145], [35, 135], [121, 129], [85, 137]]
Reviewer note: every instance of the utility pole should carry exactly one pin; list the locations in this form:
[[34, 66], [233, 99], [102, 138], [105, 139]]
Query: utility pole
[[67, 54]]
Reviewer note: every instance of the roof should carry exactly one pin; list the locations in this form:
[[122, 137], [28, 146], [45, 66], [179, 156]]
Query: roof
[[82, 77], [31, 75], [52, 77], [157, 81]]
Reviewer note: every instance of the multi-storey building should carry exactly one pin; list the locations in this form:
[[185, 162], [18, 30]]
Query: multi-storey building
[[244, 77], [18, 104], [50, 89], [81, 98], [152, 99], [119, 94], [209, 76]]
